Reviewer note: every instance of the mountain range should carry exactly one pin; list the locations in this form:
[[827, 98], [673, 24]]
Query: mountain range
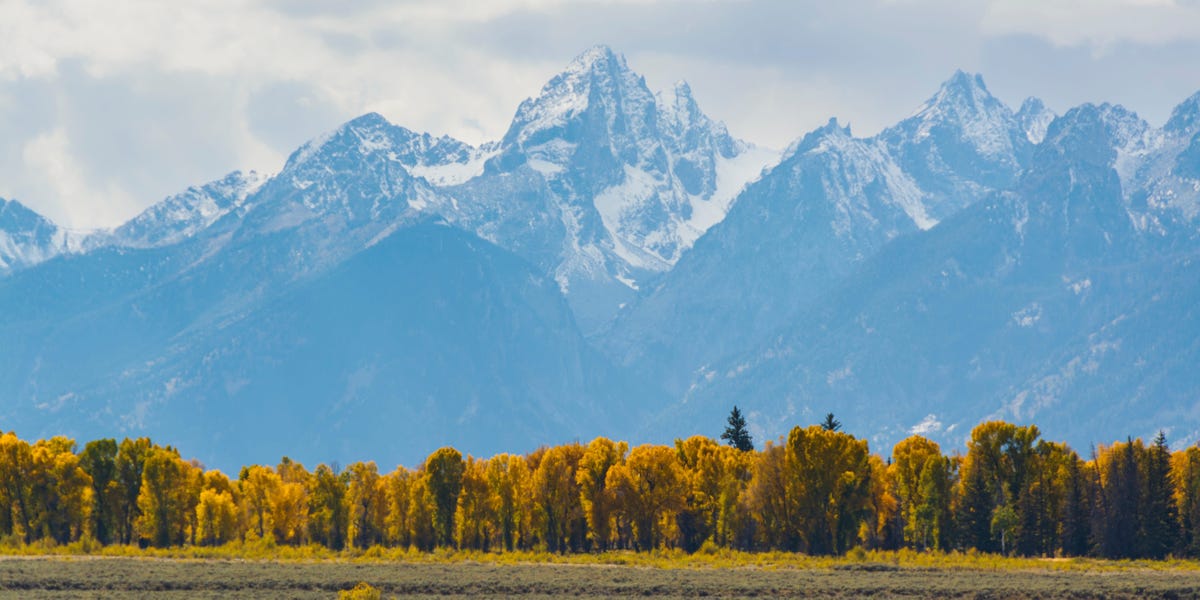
[[619, 264]]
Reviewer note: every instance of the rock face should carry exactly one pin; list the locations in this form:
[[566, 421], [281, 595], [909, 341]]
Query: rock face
[[618, 264]]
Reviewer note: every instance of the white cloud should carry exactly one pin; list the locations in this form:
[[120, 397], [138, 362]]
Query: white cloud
[[929, 425], [51, 154], [1099, 24]]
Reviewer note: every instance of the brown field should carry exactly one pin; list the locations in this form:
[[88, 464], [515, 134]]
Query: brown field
[[121, 577]]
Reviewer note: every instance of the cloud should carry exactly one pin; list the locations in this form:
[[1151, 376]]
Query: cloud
[[1099, 24], [145, 98]]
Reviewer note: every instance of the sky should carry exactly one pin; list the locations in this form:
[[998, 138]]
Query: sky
[[108, 107]]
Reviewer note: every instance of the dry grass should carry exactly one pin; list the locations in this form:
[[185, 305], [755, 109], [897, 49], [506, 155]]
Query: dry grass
[[902, 575]]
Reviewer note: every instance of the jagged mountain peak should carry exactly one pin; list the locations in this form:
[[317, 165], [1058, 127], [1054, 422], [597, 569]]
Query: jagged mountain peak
[[596, 98], [960, 144], [1185, 118], [597, 58], [1097, 133], [183, 215], [964, 103], [832, 129], [963, 93], [1035, 119], [372, 133]]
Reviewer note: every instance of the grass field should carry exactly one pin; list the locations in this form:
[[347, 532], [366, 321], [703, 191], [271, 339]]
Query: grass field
[[135, 577]]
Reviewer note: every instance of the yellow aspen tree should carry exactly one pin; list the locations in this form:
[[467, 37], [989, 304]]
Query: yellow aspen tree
[[771, 499], [167, 500], [445, 470], [217, 517], [703, 468], [909, 458], [367, 499], [1185, 479], [131, 460], [290, 503], [832, 470], [882, 527], [99, 461], [474, 518], [734, 523], [508, 479], [559, 515], [398, 484], [16, 478], [420, 512], [328, 518], [650, 490], [289, 513], [257, 484], [600, 456], [61, 490]]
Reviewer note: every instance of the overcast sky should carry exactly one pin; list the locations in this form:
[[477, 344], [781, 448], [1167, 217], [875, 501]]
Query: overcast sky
[[107, 107]]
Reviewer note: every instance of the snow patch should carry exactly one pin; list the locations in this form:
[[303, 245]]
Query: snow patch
[[453, 173]]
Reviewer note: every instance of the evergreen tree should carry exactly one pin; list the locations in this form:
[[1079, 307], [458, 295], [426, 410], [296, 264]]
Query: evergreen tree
[[1118, 532], [830, 423], [736, 434], [1159, 529], [1076, 527], [975, 512]]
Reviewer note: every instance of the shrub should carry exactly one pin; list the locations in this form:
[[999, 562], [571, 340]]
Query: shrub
[[362, 591]]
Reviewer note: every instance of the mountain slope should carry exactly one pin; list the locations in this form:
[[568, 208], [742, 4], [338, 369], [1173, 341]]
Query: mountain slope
[[832, 203], [1041, 304], [429, 327]]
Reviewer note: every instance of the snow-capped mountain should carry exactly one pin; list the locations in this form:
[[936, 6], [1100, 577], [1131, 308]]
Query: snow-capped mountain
[[27, 238], [331, 294], [603, 183], [832, 203], [1044, 303], [959, 145], [1161, 172]]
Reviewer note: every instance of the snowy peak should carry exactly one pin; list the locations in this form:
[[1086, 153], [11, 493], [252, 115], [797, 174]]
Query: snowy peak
[[596, 102], [868, 191], [964, 108], [960, 145], [681, 118], [1185, 119], [26, 237], [1104, 135], [183, 215], [372, 134], [1035, 119]]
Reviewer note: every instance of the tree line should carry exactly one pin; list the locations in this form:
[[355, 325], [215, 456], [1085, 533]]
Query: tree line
[[819, 491]]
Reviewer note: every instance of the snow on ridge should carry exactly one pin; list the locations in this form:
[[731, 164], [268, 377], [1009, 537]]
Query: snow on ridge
[[861, 162], [454, 173]]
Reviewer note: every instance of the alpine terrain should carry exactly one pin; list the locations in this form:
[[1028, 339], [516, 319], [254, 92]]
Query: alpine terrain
[[620, 264]]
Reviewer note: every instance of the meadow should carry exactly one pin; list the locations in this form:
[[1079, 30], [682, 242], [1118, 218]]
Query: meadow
[[130, 573]]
